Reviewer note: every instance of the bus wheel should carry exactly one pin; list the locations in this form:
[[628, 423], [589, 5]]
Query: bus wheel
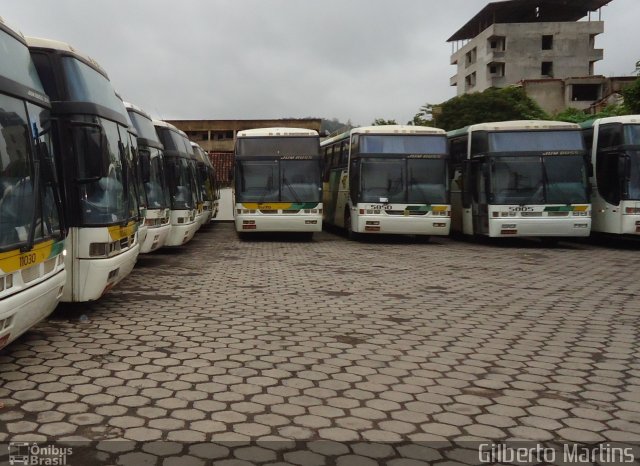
[[352, 235]]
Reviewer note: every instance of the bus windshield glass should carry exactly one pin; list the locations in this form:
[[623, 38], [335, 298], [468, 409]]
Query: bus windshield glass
[[632, 135], [170, 140], [278, 146], [539, 180], [87, 85], [179, 179], [144, 127], [157, 195], [105, 200], [536, 141], [392, 144], [22, 69], [279, 181], [401, 180]]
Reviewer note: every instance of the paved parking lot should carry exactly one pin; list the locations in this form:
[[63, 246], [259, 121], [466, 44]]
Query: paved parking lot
[[360, 344]]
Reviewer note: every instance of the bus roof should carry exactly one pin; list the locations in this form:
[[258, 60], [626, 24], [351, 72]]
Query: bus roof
[[386, 130], [164, 124], [38, 42], [250, 133], [623, 119], [12, 31], [515, 125], [135, 108]]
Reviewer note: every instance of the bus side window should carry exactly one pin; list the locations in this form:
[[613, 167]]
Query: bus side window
[[335, 161], [355, 144], [609, 136], [344, 154]]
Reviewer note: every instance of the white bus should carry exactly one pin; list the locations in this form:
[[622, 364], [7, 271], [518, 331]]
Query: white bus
[[387, 180], [90, 134], [32, 272], [278, 181], [182, 186], [520, 178], [206, 182], [614, 147], [154, 184]]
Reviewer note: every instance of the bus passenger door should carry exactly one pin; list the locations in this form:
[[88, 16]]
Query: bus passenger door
[[479, 205]]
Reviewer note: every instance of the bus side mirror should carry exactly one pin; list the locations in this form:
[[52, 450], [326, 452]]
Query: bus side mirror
[[92, 152], [144, 159]]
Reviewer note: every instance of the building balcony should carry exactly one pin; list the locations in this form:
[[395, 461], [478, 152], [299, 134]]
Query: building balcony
[[495, 56], [453, 80], [596, 54]]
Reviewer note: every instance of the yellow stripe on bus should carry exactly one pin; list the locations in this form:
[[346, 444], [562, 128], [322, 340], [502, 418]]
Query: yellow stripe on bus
[[580, 208], [15, 260], [118, 232], [272, 206], [439, 208]]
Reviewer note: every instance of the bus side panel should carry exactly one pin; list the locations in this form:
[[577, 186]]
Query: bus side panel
[[330, 197]]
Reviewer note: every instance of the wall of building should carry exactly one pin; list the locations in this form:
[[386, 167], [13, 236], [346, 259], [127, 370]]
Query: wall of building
[[219, 135], [519, 54]]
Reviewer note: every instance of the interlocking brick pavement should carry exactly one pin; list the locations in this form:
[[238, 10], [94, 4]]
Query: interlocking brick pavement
[[277, 340]]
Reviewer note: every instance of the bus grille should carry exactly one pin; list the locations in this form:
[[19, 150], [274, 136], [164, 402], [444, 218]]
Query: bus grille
[[531, 214], [402, 212], [30, 274], [268, 211], [558, 214], [290, 211]]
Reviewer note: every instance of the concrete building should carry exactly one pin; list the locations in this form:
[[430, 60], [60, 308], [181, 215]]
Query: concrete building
[[517, 40], [588, 93]]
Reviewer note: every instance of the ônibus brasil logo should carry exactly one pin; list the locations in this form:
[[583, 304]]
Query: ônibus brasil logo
[[27, 454]]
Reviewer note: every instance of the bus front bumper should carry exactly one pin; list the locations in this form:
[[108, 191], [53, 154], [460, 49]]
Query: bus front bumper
[[28, 307], [541, 226], [156, 238], [97, 276], [181, 234], [278, 222], [401, 225]]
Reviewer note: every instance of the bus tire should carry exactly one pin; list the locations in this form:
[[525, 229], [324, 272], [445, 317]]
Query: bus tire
[[352, 235]]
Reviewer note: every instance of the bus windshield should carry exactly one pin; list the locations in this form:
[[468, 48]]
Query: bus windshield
[[17, 196], [171, 140], [278, 146], [87, 85], [157, 196], [279, 181], [395, 144], [22, 69], [536, 141], [144, 126], [539, 180], [401, 180], [104, 200], [179, 179], [632, 135]]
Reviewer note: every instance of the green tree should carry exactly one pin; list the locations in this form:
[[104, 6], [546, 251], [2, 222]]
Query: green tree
[[382, 122], [574, 115], [632, 97], [509, 103], [424, 117]]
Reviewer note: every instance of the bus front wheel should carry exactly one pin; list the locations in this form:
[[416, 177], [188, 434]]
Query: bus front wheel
[[352, 235]]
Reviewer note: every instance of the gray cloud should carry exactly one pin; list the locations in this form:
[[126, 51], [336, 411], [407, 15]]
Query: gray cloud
[[355, 59]]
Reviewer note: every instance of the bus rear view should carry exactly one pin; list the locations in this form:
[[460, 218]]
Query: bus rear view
[[278, 181]]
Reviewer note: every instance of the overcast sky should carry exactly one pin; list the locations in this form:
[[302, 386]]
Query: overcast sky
[[234, 59]]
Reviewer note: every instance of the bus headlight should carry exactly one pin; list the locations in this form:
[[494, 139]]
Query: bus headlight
[[98, 249]]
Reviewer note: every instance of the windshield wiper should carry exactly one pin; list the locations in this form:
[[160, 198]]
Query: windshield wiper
[[293, 191]]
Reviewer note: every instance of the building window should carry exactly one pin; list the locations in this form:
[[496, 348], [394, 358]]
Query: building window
[[470, 80], [547, 42], [585, 92], [496, 70], [471, 57], [547, 69]]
